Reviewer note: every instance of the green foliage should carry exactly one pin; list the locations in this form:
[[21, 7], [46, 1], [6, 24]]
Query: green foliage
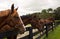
[[47, 15], [49, 10], [57, 13], [44, 13]]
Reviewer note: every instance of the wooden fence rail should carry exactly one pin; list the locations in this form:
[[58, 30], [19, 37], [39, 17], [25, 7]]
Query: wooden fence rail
[[31, 34]]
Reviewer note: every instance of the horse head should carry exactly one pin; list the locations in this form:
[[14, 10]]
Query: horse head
[[16, 20]]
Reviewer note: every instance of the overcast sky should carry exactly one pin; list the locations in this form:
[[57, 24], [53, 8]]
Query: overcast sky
[[29, 6]]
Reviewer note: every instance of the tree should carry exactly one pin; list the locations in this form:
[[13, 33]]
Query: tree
[[57, 13], [50, 10], [44, 11]]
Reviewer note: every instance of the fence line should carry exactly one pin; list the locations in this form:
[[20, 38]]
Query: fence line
[[31, 34]]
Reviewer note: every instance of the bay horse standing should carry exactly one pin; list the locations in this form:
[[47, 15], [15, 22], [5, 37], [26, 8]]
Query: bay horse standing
[[50, 21], [36, 22], [10, 23], [33, 20], [47, 22]]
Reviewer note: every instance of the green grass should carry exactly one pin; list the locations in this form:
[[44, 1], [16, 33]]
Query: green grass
[[4, 38], [55, 34]]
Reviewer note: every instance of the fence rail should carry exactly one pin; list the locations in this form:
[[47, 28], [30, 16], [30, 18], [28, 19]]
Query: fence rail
[[39, 34]]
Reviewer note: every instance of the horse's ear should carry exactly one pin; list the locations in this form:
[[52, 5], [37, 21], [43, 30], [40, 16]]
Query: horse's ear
[[16, 8], [12, 8]]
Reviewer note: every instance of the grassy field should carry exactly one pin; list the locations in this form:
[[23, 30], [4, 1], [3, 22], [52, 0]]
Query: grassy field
[[55, 34]]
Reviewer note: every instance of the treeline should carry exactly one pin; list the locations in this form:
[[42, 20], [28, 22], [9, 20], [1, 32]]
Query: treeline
[[45, 13]]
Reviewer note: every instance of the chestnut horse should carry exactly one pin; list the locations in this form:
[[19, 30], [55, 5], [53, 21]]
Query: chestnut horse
[[33, 20], [47, 22], [36, 22], [10, 23]]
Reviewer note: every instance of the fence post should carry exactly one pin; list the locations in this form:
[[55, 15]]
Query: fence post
[[46, 31], [52, 26], [30, 33]]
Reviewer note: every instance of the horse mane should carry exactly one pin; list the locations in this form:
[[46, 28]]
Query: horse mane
[[26, 16], [31, 16], [4, 13]]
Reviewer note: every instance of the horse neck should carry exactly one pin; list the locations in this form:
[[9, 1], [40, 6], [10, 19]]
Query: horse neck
[[26, 20], [2, 19]]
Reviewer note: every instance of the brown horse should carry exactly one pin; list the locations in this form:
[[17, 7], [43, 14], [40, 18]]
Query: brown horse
[[47, 22], [36, 22], [33, 20], [10, 23]]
